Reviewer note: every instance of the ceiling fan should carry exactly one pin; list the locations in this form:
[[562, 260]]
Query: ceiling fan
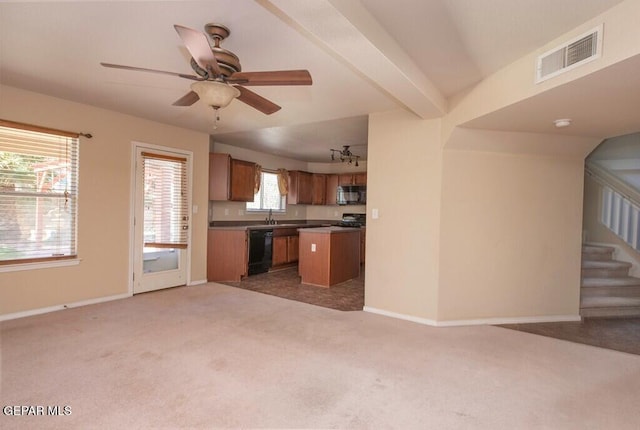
[[218, 74]]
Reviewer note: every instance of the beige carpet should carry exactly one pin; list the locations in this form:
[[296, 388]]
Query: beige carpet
[[215, 356]]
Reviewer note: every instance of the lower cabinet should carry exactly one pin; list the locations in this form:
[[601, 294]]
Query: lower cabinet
[[293, 248], [227, 254], [363, 243], [285, 247]]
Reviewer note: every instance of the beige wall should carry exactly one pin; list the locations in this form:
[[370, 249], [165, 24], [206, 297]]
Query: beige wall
[[510, 236], [403, 183], [490, 229], [104, 201]]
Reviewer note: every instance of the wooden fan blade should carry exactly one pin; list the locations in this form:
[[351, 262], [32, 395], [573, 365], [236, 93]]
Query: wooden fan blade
[[198, 46], [142, 69], [256, 101], [187, 100], [276, 77]]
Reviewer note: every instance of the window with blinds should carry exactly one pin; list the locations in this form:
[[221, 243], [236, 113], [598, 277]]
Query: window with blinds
[[38, 193], [166, 214]]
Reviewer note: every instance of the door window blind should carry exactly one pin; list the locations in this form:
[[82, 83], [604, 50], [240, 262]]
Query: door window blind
[[166, 215], [38, 194]]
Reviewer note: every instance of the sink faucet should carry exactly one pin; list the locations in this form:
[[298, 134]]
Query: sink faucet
[[270, 219]]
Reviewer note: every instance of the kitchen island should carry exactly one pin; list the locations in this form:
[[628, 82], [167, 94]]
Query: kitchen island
[[329, 255]]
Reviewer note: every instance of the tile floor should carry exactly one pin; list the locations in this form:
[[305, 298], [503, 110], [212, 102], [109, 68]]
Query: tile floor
[[347, 296], [621, 334]]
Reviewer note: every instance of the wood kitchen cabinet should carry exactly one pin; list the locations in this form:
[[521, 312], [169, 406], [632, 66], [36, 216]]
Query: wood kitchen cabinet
[[285, 246], [331, 190], [353, 179], [230, 179], [329, 255], [227, 254], [300, 188], [243, 180], [363, 243], [293, 248], [319, 189]]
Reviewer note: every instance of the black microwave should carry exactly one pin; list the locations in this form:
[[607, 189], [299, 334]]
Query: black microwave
[[352, 195]]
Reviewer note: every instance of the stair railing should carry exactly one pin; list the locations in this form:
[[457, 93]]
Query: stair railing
[[620, 210]]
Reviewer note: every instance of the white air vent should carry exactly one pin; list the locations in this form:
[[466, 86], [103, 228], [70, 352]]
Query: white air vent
[[576, 52]]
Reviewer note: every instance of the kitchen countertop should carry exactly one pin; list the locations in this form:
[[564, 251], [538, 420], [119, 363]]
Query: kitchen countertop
[[331, 229], [269, 226]]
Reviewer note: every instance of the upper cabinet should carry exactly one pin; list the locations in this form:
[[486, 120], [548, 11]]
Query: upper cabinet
[[300, 188], [319, 189], [359, 178], [231, 179], [331, 190], [243, 181], [234, 180]]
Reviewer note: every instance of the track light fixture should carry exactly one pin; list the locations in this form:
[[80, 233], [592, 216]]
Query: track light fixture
[[344, 155]]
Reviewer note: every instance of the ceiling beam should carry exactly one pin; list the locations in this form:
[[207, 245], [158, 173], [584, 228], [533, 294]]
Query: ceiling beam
[[349, 32]]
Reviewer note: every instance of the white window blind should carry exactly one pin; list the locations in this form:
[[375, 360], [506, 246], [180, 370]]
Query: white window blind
[[166, 215], [38, 194]]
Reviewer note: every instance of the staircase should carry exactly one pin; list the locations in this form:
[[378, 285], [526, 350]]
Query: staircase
[[607, 290]]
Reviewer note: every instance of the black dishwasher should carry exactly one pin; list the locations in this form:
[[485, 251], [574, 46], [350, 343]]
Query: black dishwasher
[[260, 249]]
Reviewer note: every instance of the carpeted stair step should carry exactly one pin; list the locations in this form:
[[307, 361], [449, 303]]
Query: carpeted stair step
[[597, 252], [605, 269], [610, 306], [616, 287]]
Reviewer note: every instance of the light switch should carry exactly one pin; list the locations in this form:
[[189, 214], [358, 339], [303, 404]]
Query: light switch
[[374, 214], [195, 209], [313, 247]]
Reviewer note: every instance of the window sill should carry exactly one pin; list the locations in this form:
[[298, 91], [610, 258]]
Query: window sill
[[39, 265]]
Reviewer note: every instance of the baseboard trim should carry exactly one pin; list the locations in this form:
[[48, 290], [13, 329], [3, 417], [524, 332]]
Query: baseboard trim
[[482, 321], [512, 320], [32, 312], [405, 317], [200, 282]]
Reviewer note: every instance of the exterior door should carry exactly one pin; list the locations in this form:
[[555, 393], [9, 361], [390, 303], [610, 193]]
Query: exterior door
[[161, 218]]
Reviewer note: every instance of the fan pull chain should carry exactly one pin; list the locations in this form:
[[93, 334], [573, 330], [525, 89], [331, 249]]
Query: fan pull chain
[[216, 117]]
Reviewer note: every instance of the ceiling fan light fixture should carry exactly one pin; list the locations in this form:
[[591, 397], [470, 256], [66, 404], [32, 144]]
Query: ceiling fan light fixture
[[215, 93]]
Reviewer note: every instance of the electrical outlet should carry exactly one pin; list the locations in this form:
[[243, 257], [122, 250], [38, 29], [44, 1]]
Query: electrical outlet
[[313, 247], [226, 212], [240, 212]]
